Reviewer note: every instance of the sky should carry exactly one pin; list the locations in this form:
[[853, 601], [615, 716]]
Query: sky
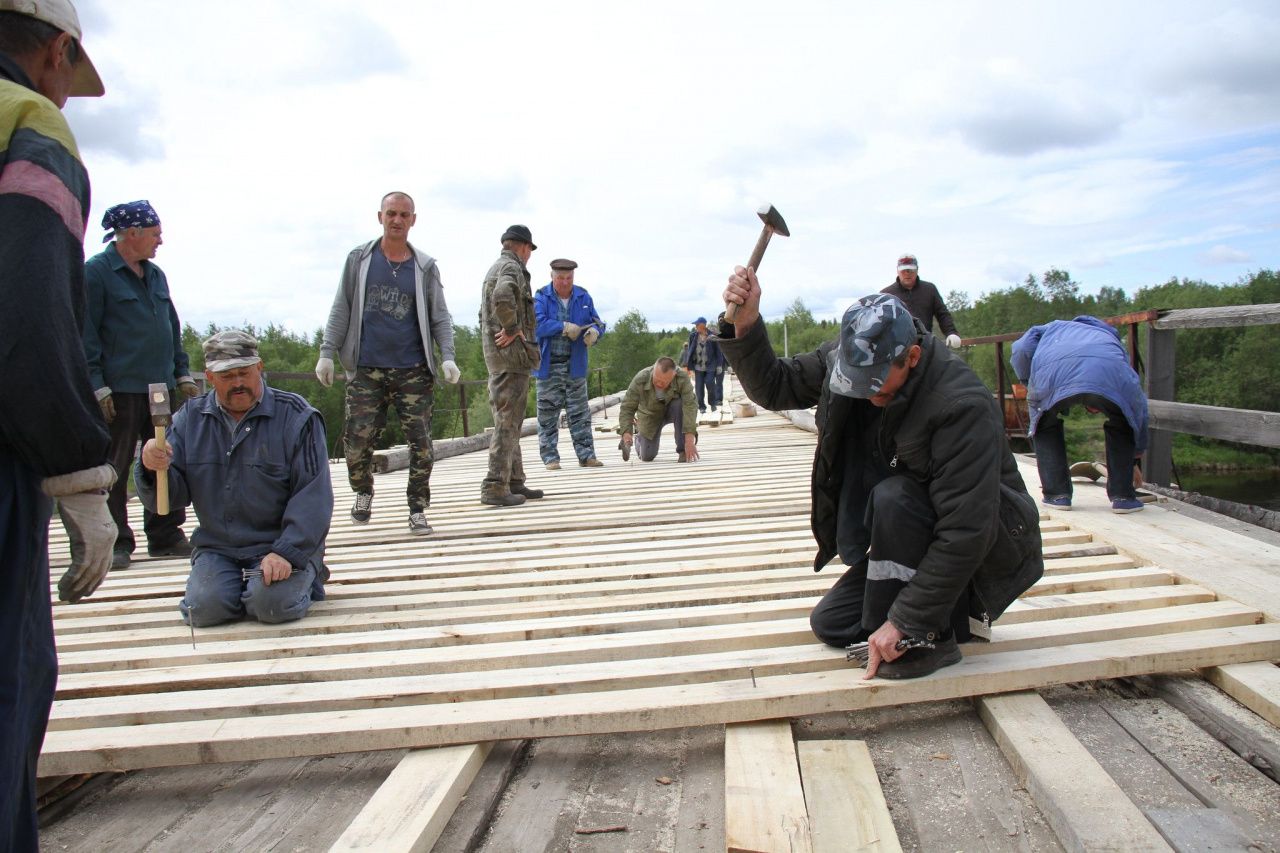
[[1126, 142]]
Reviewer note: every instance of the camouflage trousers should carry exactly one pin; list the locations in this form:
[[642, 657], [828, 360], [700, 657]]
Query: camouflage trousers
[[411, 391], [508, 396], [561, 391]]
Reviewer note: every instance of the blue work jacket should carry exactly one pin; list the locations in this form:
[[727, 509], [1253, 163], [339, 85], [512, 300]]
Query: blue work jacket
[[1067, 358], [546, 308], [263, 489]]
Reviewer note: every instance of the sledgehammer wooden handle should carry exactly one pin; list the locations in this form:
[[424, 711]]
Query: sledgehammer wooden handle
[[162, 477]]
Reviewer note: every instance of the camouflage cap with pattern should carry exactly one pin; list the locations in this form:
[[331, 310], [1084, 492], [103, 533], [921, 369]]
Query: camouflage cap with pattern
[[230, 349], [874, 331]]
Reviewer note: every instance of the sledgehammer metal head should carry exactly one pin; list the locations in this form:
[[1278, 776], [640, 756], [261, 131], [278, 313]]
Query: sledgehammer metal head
[[773, 224], [158, 400]]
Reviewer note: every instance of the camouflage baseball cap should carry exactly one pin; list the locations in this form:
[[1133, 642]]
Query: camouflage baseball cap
[[230, 349], [874, 331]]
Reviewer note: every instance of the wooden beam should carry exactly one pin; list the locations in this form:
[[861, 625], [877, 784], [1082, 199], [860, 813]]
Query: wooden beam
[[1085, 807], [847, 809], [410, 810], [1161, 354], [644, 709], [1254, 685], [1220, 317], [1243, 425], [764, 806]]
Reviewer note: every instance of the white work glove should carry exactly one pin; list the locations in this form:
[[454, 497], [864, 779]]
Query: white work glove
[[953, 341], [188, 387], [591, 335], [82, 506], [572, 330], [450, 372], [324, 371]]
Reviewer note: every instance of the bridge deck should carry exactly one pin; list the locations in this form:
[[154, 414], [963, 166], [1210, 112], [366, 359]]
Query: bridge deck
[[634, 598]]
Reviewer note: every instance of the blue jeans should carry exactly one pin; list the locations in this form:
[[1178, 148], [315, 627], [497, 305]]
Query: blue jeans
[[1051, 449], [28, 663], [707, 386], [221, 589]]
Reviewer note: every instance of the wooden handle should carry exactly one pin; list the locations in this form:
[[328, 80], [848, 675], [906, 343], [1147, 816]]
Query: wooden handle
[[162, 477], [757, 255]]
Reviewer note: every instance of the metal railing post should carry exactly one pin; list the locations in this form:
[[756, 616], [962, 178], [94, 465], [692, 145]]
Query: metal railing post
[[462, 402]]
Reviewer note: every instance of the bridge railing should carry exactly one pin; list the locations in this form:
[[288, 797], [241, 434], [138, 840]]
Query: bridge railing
[[1166, 415]]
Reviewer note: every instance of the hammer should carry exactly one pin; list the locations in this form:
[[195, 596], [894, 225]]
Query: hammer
[[773, 224], [158, 397]]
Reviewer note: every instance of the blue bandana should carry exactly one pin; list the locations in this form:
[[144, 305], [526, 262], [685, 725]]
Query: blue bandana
[[133, 214]]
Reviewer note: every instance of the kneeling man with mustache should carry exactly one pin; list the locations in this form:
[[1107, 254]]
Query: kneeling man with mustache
[[254, 463]]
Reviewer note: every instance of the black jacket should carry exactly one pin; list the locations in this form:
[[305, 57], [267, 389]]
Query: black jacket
[[942, 429], [925, 303]]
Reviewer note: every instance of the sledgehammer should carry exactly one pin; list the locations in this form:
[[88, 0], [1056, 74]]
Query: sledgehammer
[[158, 397], [773, 224]]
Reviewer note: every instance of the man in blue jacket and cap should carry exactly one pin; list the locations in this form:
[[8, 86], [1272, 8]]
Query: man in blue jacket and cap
[[567, 326], [1082, 362]]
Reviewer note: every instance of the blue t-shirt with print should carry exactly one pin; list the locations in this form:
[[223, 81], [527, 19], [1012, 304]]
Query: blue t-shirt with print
[[389, 335]]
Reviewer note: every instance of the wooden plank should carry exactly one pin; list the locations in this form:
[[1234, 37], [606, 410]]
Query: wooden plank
[[847, 809], [644, 709], [1243, 425], [764, 806], [1219, 317], [1254, 685], [1085, 807], [1161, 355], [412, 807], [1238, 728]]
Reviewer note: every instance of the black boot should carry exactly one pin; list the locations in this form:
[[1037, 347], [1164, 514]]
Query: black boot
[[917, 662]]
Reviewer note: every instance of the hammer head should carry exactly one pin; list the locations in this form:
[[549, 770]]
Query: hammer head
[[158, 399], [773, 220]]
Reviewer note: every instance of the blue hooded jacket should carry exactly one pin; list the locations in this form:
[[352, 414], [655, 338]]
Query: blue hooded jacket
[[546, 308], [1066, 358]]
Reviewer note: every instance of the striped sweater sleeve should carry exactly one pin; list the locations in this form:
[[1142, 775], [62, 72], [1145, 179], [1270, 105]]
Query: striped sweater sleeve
[[49, 419]]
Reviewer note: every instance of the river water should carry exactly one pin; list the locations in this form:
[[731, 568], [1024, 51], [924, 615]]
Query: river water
[[1259, 488]]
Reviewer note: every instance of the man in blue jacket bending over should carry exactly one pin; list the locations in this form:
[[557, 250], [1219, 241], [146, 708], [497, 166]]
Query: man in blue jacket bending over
[[252, 460], [567, 326], [1082, 362]]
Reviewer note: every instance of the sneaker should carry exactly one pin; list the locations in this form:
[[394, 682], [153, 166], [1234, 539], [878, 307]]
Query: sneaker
[[181, 548], [590, 462], [418, 524], [1062, 502], [362, 508], [1124, 505], [626, 451], [502, 500], [526, 492], [553, 466], [915, 663], [120, 559]]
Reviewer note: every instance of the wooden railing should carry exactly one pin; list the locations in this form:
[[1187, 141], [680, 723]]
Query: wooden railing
[[1166, 415]]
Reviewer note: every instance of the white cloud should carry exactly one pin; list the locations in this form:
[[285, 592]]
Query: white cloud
[[1222, 254]]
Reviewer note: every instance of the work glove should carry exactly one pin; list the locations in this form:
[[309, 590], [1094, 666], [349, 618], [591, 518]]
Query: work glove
[[188, 387], [108, 407], [719, 371], [450, 372], [953, 341], [572, 330], [591, 335], [82, 506], [324, 371]]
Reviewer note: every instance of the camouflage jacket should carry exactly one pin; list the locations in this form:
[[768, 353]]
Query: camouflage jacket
[[506, 304], [642, 412]]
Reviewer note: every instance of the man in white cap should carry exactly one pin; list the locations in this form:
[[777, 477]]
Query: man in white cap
[[53, 442], [922, 299]]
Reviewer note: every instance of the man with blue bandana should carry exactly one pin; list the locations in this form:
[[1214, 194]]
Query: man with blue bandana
[[132, 339], [53, 443], [914, 486]]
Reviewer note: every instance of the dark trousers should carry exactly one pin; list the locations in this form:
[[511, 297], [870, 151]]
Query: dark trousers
[[28, 664], [131, 424], [707, 388], [1051, 448], [901, 518], [647, 448]]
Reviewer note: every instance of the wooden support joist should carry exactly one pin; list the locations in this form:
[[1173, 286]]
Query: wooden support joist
[[643, 709], [764, 808], [847, 809], [1085, 807], [1254, 685]]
